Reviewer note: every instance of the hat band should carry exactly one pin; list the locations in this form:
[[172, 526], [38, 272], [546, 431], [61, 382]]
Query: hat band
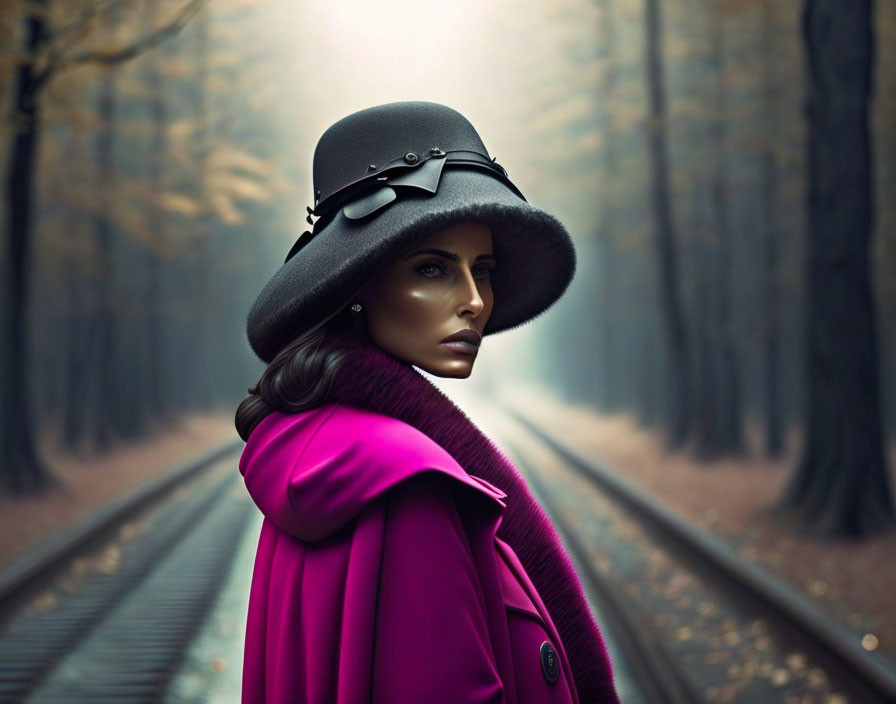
[[363, 198], [409, 162]]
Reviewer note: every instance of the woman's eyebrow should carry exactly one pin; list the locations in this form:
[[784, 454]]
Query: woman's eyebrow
[[448, 255]]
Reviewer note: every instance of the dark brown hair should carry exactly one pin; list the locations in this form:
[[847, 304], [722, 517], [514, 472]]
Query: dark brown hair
[[300, 376]]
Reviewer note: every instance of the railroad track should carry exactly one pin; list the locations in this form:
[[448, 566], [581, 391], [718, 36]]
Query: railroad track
[[105, 613], [686, 671]]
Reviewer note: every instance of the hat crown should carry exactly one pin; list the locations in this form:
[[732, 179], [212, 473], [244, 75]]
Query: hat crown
[[382, 136]]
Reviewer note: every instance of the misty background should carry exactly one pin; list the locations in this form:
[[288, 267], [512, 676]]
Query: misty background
[[158, 169]]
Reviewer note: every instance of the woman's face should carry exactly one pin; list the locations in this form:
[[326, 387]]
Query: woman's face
[[441, 287]]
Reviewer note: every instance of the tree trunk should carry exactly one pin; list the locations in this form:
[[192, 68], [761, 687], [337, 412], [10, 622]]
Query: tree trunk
[[609, 396], [155, 328], [21, 468], [105, 406], [75, 359], [841, 486], [200, 340], [774, 435], [729, 426], [707, 415], [678, 413]]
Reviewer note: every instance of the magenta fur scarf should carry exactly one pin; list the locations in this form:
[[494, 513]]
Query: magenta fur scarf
[[373, 380]]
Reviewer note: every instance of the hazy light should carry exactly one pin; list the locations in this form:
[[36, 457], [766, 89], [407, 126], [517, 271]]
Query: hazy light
[[395, 34]]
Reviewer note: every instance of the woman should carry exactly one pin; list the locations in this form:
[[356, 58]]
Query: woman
[[402, 557]]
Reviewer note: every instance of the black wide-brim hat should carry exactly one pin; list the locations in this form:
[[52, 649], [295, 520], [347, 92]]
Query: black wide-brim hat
[[387, 177]]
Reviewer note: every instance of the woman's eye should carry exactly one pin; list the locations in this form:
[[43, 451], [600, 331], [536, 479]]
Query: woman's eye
[[426, 268], [432, 269]]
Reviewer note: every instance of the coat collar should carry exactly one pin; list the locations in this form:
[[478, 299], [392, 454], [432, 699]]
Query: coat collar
[[343, 458]]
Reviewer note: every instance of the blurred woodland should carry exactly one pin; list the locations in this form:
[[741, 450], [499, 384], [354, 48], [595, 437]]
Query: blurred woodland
[[727, 168]]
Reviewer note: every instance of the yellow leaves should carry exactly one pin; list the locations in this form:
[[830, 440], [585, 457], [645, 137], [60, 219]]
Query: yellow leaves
[[225, 209], [780, 677], [870, 642], [234, 175], [731, 638], [706, 608], [720, 694], [180, 204], [109, 560], [683, 633], [246, 189], [718, 657], [797, 661], [178, 130], [44, 602], [762, 643], [227, 156], [132, 530], [816, 678], [818, 588]]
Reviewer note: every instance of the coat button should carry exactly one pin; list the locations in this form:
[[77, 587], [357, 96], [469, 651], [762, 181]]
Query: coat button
[[549, 664]]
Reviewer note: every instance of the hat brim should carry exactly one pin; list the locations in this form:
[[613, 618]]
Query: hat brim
[[535, 256]]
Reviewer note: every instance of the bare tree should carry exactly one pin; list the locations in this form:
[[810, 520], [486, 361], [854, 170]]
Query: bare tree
[[841, 486], [774, 436], [606, 225], [678, 415], [48, 52], [720, 426]]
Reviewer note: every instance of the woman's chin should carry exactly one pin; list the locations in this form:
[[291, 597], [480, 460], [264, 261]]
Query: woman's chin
[[460, 369]]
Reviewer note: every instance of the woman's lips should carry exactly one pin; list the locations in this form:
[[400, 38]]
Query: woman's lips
[[462, 347]]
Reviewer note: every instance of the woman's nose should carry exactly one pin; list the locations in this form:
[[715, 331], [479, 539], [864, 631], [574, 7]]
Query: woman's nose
[[471, 299]]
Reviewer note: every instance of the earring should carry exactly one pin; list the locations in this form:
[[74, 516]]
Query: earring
[[356, 308]]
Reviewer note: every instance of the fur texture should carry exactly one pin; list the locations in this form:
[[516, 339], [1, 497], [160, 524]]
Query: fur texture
[[376, 381]]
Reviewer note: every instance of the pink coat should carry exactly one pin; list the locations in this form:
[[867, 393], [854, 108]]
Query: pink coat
[[379, 576]]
